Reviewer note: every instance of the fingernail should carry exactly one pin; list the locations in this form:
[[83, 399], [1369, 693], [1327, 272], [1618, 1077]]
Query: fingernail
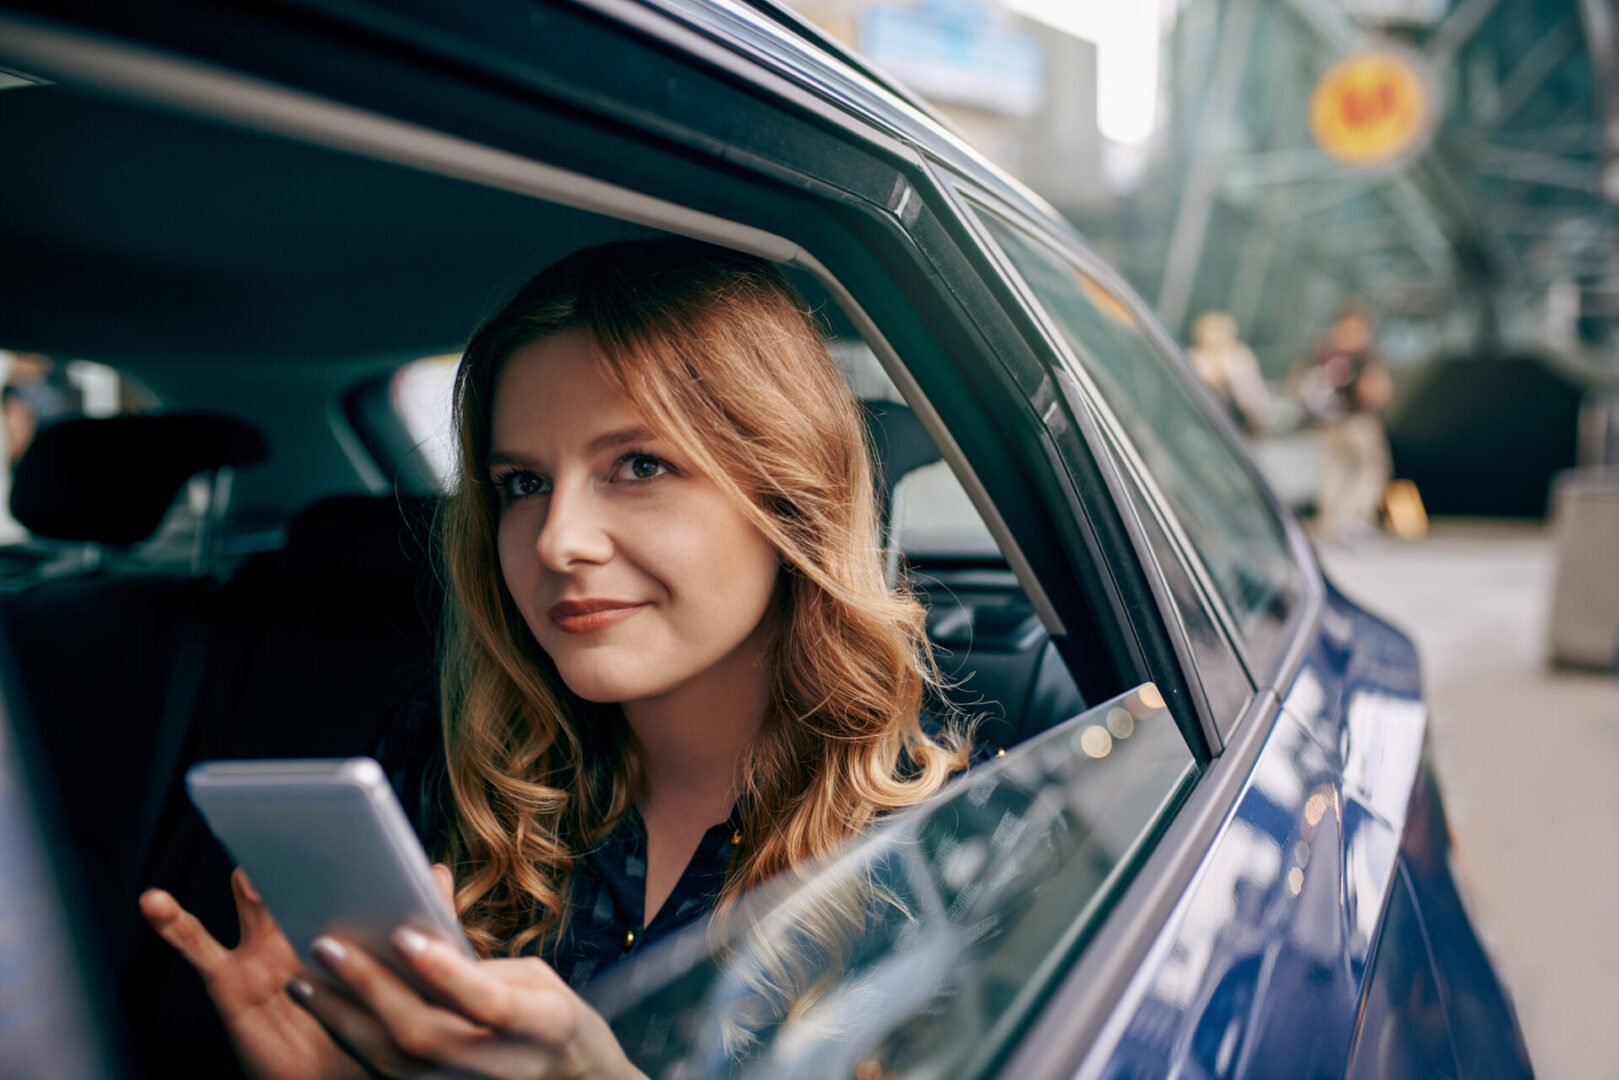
[[330, 952], [410, 942], [300, 989]]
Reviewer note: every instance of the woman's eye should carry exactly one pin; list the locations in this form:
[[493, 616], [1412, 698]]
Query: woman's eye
[[520, 485], [640, 467]]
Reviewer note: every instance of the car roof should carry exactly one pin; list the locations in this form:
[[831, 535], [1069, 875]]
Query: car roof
[[776, 38], [140, 182]]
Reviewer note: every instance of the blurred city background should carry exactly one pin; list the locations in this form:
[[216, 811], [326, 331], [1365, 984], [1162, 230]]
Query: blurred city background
[[1388, 233]]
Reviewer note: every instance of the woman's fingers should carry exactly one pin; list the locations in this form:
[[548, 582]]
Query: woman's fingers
[[445, 882], [359, 1033], [418, 1028], [251, 914], [520, 996], [181, 929]]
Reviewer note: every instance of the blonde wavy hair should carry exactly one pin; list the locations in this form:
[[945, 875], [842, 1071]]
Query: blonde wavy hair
[[724, 359]]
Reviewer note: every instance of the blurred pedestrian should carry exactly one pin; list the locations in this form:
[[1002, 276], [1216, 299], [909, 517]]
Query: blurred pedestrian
[[43, 387], [1344, 388], [1230, 371], [18, 421]]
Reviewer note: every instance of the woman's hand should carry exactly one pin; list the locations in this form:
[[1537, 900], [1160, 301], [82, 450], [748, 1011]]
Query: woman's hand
[[273, 1037], [505, 1018]]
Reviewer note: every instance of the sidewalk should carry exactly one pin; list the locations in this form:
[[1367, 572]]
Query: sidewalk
[[1529, 761]]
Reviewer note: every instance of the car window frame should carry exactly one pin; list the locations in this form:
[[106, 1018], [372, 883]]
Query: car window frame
[[1118, 439], [1272, 663], [1102, 441], [1224, 712]]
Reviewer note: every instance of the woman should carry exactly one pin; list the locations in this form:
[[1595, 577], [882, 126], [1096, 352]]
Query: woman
[[668, 637], [1229, 369]]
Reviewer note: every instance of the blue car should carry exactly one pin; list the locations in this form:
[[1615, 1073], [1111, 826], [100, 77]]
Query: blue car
[[1207, 841]]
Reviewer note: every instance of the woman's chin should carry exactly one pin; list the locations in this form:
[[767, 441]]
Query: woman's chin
[[600, 695], [605, 687]]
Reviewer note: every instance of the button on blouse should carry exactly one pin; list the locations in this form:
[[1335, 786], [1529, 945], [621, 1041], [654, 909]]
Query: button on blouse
[[607, 908]]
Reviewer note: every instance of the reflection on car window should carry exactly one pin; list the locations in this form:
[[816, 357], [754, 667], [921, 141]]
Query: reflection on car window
[[927, 945], [1236, 534]]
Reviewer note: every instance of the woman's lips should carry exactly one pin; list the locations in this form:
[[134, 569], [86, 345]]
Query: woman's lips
[[585, 616]]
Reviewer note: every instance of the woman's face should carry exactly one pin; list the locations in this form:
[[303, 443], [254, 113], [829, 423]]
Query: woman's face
[[635, 574]]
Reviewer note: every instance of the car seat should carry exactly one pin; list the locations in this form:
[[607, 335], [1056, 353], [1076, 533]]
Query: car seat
[[313, 650], [97, 649], [1000, 663]]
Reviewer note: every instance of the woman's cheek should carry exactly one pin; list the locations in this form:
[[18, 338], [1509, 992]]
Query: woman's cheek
[[519, 560]]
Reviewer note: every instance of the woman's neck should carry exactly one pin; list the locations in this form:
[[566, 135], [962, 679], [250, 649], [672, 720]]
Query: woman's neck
[[691, 739]]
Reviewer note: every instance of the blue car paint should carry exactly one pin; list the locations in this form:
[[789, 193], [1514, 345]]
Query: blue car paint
[[1302, 947], [1402, 1030], [1484, 1028]]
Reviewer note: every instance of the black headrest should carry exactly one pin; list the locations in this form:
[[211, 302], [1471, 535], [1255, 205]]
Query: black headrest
[[361, 546], [899, 442], [111, 480]]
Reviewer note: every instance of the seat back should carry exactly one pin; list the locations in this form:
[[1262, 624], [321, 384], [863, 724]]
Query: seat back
[[312, 651]]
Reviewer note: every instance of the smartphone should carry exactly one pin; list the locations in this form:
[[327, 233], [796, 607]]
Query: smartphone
[[329, 848]]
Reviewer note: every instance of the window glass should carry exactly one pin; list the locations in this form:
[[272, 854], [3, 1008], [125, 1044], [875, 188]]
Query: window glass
[[38, 390], [929, 944], [1224, 684], [422, 393], [1240, 541]]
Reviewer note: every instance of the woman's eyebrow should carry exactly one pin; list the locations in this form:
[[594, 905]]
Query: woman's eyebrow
[[503, 457], [610, 440], [613, 440]]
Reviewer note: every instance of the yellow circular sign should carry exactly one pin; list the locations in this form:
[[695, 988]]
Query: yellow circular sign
[[1370, 108]]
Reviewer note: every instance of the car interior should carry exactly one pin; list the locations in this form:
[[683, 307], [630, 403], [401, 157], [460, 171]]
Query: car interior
[[246, 571]]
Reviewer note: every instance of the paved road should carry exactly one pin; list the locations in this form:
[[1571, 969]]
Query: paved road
[[1529, 761]]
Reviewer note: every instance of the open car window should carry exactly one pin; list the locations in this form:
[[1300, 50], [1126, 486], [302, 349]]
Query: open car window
[[929, 943], [999, 662], [420, 393]]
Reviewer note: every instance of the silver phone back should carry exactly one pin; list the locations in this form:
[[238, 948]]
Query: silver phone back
[[328, 847]]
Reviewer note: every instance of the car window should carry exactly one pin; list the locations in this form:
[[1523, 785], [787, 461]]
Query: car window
[[38, 390], [933, 516], [1229, 523], [420, 393], [927, 945], [1220, 676]]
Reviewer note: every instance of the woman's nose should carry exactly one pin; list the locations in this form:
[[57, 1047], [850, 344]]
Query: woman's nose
[[574, 531]]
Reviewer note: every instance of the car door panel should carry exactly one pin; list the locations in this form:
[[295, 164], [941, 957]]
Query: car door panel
[[1247, 975], [1484, 1027], [1403, 1014]]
